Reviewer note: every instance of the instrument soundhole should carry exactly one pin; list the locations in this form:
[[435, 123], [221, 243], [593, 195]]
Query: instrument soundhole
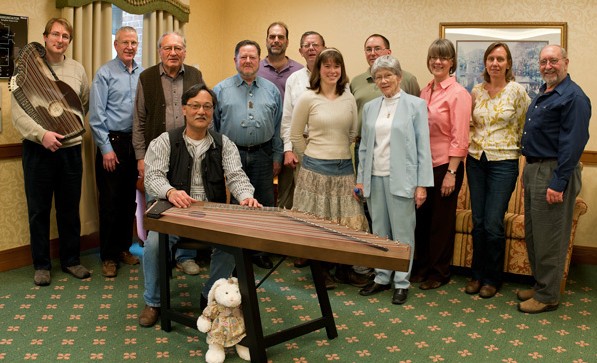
[[55, 109]]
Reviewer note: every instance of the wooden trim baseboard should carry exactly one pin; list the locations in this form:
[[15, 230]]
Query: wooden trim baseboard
[[589, 157], [21, 256], [9, 151], [584, 255]]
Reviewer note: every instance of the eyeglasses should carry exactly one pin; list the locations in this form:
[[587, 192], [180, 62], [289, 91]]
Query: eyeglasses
[[58, 35], [552, 62], [132, 44], [375, 50], [383, 77], [442, 59], [176, 49], [197, 106], [309, 45]]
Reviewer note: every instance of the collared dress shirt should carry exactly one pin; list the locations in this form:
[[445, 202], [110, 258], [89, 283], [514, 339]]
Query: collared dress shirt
[[296, 84], [449, 109], [557, 126], [249, 114], [112, 101]]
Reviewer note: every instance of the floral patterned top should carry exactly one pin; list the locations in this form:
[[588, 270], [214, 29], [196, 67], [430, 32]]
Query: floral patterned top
[[497, 122], [227, 325]]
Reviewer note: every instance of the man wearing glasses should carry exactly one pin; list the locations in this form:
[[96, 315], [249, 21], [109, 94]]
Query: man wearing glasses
[[158, 108], [554, 137], [176, 162], [112, 101], [52, 166]]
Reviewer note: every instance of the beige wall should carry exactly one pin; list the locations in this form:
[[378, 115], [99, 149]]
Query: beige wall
[[216, 26]]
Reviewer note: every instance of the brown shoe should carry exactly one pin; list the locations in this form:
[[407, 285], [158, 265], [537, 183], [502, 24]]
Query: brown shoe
[[472, 287], [149, 316], [109, 268], [189, 267], [301, 262], [128, 258], [487, 291], [533, 306], [347, 275], [42, 277], [78, 271], [430, 285], [329, 281], [524, 295]]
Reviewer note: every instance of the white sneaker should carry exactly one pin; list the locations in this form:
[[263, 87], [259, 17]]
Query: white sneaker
[[189, 267]]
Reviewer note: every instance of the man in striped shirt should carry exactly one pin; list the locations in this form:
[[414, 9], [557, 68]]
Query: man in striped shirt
[[167, 163]]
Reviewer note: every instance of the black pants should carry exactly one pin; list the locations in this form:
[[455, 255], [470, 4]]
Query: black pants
[[55, 175], [117, 192]]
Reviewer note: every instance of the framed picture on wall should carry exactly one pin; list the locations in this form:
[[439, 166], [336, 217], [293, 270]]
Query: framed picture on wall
[[525, 41]]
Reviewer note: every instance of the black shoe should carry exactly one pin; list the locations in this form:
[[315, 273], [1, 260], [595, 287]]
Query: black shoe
[[373, 288], [399, 296], [263, 261]]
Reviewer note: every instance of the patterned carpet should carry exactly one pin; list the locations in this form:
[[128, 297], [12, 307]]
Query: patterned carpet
[[96, 320]]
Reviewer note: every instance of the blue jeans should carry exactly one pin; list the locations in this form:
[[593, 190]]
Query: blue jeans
[[491, 184], [259, 167], [222, 265]]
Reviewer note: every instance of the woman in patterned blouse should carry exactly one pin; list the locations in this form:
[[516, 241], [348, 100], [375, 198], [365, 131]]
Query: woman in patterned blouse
[[499, 107]]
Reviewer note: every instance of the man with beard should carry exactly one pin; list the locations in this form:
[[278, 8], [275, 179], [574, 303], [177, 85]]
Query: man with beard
[[249, 112], [554, 137], [277, 68]]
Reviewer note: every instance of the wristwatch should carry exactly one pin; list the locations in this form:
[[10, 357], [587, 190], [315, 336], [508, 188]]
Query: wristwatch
[[453, 172]]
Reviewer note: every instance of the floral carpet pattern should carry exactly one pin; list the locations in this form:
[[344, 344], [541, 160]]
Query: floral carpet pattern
[[95, 319]]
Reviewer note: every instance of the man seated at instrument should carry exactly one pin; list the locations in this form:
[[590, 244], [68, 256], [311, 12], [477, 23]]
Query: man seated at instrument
[[168, 160]]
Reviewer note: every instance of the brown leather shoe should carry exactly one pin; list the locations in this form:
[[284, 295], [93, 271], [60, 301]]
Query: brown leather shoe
[[109, 268], [128, 258], [301, 262], [149, 316], [487, 291], [42, 277], [524, 295], [348, 276], [78, 271], [533, 306], [330, 284], [430, 285], [472, 287]]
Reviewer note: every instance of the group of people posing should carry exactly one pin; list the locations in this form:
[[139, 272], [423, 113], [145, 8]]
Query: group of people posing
[[277, 118]]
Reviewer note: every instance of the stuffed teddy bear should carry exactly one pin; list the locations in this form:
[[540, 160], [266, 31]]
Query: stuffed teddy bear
[[222, 320]]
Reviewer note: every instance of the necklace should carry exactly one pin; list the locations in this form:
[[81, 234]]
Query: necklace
[[389, 103]]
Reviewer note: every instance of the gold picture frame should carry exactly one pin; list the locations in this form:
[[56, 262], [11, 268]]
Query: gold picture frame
[[525, 41]]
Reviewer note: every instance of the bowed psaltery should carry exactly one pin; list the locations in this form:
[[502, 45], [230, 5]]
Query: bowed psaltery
[[51, 103]]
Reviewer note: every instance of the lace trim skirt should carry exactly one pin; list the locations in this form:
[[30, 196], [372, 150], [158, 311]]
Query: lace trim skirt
[[329, 197]]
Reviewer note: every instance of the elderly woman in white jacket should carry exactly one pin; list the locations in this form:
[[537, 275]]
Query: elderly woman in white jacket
[[394, 167]]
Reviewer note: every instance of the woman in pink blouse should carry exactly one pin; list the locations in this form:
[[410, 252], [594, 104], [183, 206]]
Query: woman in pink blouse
[[449, 108], [499, 108]]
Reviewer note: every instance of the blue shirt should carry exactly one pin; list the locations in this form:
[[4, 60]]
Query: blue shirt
[[249, 114], [112, 101], [557, 126]]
